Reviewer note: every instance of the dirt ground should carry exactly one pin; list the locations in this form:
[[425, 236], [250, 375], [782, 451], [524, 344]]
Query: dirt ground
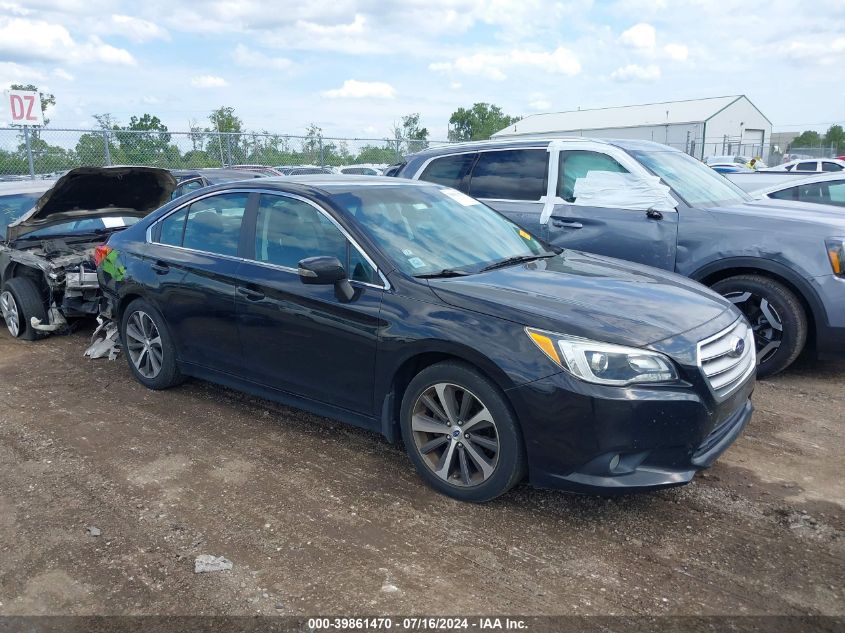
[[319, 518]]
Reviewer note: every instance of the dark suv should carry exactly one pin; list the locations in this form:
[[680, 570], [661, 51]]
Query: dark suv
[[407, 307], [781, 263]]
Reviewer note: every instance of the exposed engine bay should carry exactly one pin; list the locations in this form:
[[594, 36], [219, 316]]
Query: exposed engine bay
[[68, 277]]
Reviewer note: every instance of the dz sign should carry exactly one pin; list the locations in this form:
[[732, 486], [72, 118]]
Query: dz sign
[[25, 108]]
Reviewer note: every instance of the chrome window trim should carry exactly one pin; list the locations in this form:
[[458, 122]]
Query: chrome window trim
[[285, 194]]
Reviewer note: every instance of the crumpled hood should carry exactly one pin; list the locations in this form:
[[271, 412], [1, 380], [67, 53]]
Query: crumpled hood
[[91, 192], [591, 296]]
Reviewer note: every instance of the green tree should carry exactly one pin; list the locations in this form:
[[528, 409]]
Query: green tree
[[808, 138], [224, 141], [478, 122], [146, 141], [416, 137], [835, 138]]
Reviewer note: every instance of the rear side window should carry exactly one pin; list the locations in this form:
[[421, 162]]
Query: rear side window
[[827, 166], [211, 225], [520, 174], [449, 170], [785, 194], [577, 164]]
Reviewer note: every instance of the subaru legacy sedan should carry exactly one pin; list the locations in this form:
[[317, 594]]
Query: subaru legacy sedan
[[413, 310]]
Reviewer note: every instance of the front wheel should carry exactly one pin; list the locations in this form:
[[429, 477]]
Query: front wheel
[[461, 434], [20, 301], [776, 316]]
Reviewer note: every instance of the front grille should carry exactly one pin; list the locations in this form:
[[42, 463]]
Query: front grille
[[724, 368]]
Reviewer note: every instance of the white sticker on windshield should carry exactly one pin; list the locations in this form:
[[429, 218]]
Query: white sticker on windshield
[[416, 262], [111, 223], [407, 252], [460, 198]]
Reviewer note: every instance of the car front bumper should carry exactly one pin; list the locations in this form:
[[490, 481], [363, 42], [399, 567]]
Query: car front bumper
[[605, 440]]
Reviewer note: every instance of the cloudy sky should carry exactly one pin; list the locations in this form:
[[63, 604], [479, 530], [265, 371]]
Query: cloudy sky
[[355, 67]]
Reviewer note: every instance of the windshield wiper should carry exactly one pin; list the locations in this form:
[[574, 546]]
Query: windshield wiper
[[517, 259], [446, 272]]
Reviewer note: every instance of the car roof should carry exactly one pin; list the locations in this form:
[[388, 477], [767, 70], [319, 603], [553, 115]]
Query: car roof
[[320, 184], [797, 182], [12, 187], [540, 140]]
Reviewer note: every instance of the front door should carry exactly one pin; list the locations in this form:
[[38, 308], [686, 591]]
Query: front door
[[301, 338], [639, 235]]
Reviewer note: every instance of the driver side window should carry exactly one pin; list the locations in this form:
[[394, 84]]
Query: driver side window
[[288, 230], [577, 164]]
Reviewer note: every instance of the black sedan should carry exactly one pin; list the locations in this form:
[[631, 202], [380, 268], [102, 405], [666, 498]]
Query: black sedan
[[413, 310]]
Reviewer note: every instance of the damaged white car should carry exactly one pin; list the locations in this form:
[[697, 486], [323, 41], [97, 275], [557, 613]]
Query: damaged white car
[[48, 259]]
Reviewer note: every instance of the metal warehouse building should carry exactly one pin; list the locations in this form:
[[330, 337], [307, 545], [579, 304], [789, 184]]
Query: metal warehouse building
[[701, 127]]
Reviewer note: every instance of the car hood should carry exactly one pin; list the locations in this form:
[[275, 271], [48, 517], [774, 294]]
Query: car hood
[[91, 192], [591, 296], [825, 213]]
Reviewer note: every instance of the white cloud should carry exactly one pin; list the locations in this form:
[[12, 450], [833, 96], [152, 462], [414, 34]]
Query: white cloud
[[493, 65], [61, 73], [678, 52], [11, 73], [137, 29], [540, 105], [244, 56], [37, 40], [640, 36], [208, 81], [635, 72], [353, 89]]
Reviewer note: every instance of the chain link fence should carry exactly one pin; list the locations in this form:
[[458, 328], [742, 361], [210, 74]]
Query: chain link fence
[[40, 152]]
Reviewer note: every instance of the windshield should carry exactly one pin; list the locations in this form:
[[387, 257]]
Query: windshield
[[425, 230], [697, 184], [14, 206], [82, 227]]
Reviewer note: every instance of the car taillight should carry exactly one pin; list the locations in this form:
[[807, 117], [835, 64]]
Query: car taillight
[[100, 253]]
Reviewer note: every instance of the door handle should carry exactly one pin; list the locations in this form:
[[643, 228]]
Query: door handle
[[653, 214], [569, 225], [249, 294], [160, 268]]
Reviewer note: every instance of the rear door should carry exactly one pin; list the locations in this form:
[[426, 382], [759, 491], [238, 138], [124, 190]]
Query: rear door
[[639, 235], [195, 253]]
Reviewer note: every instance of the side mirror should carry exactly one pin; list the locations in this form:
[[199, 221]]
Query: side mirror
[[321, 271], [326, 271]]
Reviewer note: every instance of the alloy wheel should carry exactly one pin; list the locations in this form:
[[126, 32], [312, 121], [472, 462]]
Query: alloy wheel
[[455, 434], [10, 312], [143, 343], [765, 322]]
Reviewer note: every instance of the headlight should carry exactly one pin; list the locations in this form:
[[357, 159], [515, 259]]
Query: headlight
[[603, 363], [836, 254]]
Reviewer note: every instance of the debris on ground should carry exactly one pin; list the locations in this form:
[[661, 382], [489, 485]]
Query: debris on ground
[[208, 563], [105, 341], [93, 531]]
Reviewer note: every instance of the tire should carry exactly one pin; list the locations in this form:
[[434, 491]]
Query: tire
[[483, 464], [148, 347], [768, 304], [21, 300]]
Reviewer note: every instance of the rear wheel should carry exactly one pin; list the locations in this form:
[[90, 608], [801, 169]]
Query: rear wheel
[[776, 316], [149, 349], [21, 300], [461, 434]]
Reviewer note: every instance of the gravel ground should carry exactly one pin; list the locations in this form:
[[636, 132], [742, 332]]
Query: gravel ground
[[319, 518]]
